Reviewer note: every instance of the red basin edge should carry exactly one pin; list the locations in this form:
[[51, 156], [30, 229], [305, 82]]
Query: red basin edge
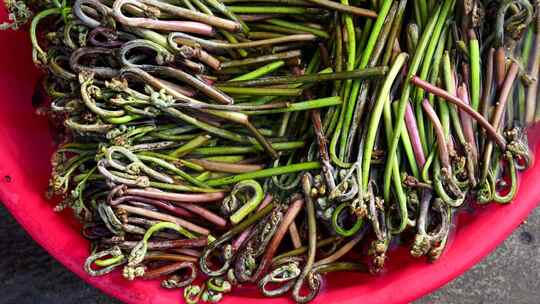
[[24, 169]]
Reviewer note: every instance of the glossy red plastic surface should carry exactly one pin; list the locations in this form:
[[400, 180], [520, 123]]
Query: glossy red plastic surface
[[25, 148]]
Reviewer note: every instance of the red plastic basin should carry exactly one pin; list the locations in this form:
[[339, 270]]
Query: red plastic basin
[[24, 169]]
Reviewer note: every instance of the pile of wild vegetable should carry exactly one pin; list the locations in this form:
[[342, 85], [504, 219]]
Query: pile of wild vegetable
[[262, 141]]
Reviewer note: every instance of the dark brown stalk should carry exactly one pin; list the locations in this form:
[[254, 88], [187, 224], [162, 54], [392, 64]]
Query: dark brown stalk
[[159, 256], [500, 67], [312, 247], [166, 270], [143, 222], [505, 90], [166, 244], [498, 113], [288, 218], [488, 84], [78, 54], [341, 251], [322, 142]]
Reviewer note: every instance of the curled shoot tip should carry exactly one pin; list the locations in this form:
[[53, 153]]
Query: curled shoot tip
[[192, 293], [138, 253], [251, 191], [117, 258]]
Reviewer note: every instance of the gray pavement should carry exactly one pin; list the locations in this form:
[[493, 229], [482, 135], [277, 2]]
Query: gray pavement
[[511, 274]]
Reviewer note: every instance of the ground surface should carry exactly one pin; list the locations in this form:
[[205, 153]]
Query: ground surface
[[511, 274]]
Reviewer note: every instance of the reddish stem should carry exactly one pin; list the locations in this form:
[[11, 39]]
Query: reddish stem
[[295, 236], [160, 204], [156, 24], [412, 129], [288, 218], [428, 87], [165, 217], [204, 213], [226, 167], [441, 140], [466, 122], [505, 91], [187, 251]]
